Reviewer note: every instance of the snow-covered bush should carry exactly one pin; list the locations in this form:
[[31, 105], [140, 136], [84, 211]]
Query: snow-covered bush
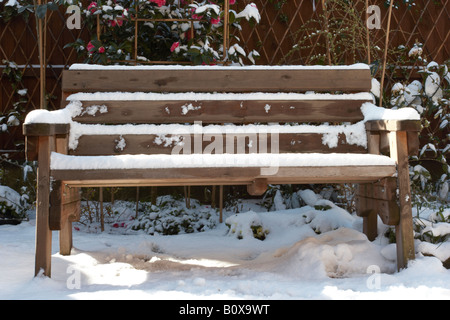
[[170, 216], [435, 228], [430, 171], [197, 38], [17, 187], [246, 225], [12, 204], [281, 197], [13, 116]]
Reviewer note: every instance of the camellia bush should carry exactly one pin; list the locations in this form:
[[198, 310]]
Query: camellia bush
[[176, 31], [430, 96]]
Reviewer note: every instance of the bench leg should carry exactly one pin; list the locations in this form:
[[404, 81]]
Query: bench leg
[[65, 239], [370, 226], [43, 232], [366, 208], [398, 142]]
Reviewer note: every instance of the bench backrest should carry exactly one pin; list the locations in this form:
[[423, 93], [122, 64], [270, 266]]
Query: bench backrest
[[213, 95]]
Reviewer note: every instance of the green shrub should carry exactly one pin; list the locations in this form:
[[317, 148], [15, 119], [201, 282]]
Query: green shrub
[[170, 216], [12, 204]]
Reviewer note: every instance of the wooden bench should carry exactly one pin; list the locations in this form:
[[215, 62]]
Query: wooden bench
[[186, 126]]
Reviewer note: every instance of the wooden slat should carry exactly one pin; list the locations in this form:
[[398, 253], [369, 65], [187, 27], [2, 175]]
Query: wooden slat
[[222, 176], [233, 111], [157, 177], [229, 80], [89, 145], [45, 129]]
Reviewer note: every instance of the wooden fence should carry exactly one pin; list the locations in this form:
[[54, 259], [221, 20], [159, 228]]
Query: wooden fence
[[290, 32]]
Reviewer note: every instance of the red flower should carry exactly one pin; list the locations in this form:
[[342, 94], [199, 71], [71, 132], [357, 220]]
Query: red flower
[[195, 16], [101, 49], [215, 21], [117, 225], [174, 46], [90, 47], [92, 7], [113, 23], [160, 3]]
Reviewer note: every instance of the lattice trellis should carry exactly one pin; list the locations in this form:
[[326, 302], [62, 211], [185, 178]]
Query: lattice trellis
[[278, 32], [19, 44]]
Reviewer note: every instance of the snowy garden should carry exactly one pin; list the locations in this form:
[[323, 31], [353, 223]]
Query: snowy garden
[[293, 242]]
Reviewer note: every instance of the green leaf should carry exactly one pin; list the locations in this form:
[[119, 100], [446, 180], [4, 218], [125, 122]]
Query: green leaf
[[52, 6], [23, 8], [69, 45], [232, 16], [41, 10]]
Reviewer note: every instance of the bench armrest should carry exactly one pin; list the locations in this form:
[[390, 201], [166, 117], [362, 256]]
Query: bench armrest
[[33, 132], [378, 134], [45, 129], [393, 125]]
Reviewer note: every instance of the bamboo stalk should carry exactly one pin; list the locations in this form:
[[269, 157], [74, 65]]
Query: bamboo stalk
[[213, 197], [153, 194], [325, 12], [192, 24], [137, 202], [41, 30], [98, 28], [368, 34], [385, 52], [136, 33], [226, 22], [187, 196], [221, 204], [102, 215]]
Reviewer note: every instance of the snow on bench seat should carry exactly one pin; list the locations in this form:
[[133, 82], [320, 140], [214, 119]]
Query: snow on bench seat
[[161, 161], [219, 169]]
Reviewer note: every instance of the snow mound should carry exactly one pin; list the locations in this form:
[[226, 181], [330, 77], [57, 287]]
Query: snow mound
[[317, 217], [334, 254], [326, 216], [10, 197]]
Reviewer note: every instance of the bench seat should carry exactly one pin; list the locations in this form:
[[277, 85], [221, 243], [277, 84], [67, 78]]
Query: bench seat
[[219, 169]]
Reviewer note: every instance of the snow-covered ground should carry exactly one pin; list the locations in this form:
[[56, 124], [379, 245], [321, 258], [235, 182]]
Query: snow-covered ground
[[308, 253]]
